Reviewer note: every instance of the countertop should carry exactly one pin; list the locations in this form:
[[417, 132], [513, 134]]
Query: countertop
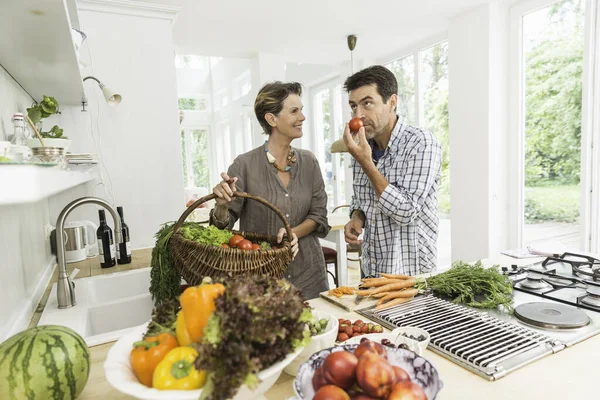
[[569, 374]]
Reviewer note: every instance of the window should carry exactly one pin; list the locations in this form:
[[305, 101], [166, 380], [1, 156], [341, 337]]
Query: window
[[423, 101], [329, 127], [552, 54], [194, 145], [242, 85], [193, 104]]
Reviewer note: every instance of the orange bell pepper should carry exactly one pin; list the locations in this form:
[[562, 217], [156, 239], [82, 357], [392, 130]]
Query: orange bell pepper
[[197, 304], [146, 355]]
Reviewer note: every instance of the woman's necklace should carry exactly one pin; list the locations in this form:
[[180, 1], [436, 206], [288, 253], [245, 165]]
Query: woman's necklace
[[291, 158]]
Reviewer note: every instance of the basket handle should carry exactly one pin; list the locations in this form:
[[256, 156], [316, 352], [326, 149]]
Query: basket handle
[[211, 196]]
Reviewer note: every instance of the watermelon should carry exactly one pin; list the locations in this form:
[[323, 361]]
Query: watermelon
[[45, 362]]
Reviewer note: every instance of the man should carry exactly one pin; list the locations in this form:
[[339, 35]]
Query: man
[[397, 171]]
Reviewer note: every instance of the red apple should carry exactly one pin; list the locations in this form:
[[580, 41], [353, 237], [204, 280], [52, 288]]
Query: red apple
[[318, 379], [331, 392], [362, 396], [369, 346], [375, 375], [339, 369], [407, 391], [401, 374]]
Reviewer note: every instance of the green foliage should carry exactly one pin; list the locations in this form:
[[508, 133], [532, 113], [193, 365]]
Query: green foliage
[[47, 107], [552, 203], [553, 97]]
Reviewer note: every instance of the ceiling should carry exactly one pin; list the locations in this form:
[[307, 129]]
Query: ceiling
[[309, 31]]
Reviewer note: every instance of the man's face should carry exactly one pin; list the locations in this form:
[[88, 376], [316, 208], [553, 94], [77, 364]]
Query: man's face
[[367, 104]]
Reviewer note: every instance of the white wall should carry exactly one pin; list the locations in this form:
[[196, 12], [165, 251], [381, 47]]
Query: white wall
[[477, 59], [24, 253], [132, 52]]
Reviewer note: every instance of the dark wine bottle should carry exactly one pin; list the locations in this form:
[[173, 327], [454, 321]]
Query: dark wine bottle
[[124, 253], [106, 248]]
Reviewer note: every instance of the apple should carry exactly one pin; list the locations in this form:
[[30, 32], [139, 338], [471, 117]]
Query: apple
[[401, 374], [362, 396], [375, 375], [407, 391], [339, 369], [331, 392], [369, 346], [318, 379]]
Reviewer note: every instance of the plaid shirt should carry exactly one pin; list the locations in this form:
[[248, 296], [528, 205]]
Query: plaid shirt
[[401, 226]]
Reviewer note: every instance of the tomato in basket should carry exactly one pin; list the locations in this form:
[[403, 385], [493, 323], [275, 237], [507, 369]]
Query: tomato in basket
[[245, 245], [235, 240], [256, 246]]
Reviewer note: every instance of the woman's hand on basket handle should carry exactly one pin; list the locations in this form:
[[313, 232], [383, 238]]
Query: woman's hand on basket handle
[[294, 241], [224, 190]]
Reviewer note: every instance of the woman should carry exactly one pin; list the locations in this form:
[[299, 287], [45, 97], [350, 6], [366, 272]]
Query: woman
[[288, 178]]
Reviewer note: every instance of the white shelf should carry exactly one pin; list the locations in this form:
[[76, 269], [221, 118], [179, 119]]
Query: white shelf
[[30, 183], [36, 48]]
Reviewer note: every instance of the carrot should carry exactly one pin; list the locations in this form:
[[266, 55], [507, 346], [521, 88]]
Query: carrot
[[380, 295], [364, 292], [406, 293], [376, 282], [395, 276], [392, 303], [396, 286]]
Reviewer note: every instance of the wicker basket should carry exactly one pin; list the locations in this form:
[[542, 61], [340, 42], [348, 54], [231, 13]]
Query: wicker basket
[[195, 260]]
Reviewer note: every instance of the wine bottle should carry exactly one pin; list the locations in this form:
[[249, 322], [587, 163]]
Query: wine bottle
[[124, 254], [106, 248]]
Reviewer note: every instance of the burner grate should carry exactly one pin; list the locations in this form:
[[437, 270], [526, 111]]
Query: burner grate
[[475, 340]]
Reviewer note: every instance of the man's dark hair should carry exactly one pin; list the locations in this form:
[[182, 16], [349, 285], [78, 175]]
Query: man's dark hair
[[376, 74]]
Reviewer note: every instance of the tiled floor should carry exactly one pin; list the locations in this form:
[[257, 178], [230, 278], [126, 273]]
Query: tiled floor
[[91, 267]]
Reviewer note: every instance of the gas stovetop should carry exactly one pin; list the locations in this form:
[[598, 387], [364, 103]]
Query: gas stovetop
[[570, 278], [552, 312]]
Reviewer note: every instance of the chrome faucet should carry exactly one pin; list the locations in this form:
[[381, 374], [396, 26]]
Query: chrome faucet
[[65, 287]]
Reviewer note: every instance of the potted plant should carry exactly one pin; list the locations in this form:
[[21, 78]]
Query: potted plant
[[52, 138]]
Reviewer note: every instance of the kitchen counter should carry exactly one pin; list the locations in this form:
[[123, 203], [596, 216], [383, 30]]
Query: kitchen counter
[[570, 374]]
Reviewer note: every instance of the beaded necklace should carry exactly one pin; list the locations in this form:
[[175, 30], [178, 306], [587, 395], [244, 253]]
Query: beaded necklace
[[291, 158]]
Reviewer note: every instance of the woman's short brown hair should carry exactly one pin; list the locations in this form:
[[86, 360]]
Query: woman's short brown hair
[[270, 99]]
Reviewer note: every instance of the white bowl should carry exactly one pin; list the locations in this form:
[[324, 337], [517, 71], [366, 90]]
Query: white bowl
[[318, 342], [421, 371], [118, 372], [49, 142], [396, 339], [414, 332]]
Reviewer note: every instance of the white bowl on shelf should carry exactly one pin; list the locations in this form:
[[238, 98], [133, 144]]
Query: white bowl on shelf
[[118, 372], [318, 342]]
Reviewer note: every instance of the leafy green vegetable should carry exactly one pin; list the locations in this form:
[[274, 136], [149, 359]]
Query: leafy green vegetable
[[210, 235], [164, 278], [256, 323], [164, 318], [265, 245], [472, 284]]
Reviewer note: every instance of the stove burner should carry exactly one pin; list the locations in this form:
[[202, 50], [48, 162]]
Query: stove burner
[[593, 296], [534, 282], [551, 315], [581, 265]]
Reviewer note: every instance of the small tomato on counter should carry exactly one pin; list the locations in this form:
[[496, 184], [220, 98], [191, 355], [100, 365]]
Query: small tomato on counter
[[177, 372], [197, 304], [147, 353]]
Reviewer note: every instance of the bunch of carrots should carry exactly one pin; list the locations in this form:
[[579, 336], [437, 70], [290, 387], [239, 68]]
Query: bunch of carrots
[[390, 289]]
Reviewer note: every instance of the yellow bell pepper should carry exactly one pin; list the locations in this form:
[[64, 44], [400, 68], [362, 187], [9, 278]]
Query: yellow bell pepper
[[183, 337], [177, 372], [197, 304]]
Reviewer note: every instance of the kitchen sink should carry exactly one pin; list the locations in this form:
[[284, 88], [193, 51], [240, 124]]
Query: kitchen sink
[[108, 306]]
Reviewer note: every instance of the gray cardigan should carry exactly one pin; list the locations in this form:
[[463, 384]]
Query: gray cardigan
[[304, 198]]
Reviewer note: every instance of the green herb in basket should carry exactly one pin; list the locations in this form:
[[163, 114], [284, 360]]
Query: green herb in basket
[[164, 278], [210, 235]]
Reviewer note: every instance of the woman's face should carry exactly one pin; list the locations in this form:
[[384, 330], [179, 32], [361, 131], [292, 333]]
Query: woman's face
[[289, 120]]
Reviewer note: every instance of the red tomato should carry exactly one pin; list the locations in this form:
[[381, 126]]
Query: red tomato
[[355, 124], [256, 246], [235, 240], [245, 245], [225, 245]]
